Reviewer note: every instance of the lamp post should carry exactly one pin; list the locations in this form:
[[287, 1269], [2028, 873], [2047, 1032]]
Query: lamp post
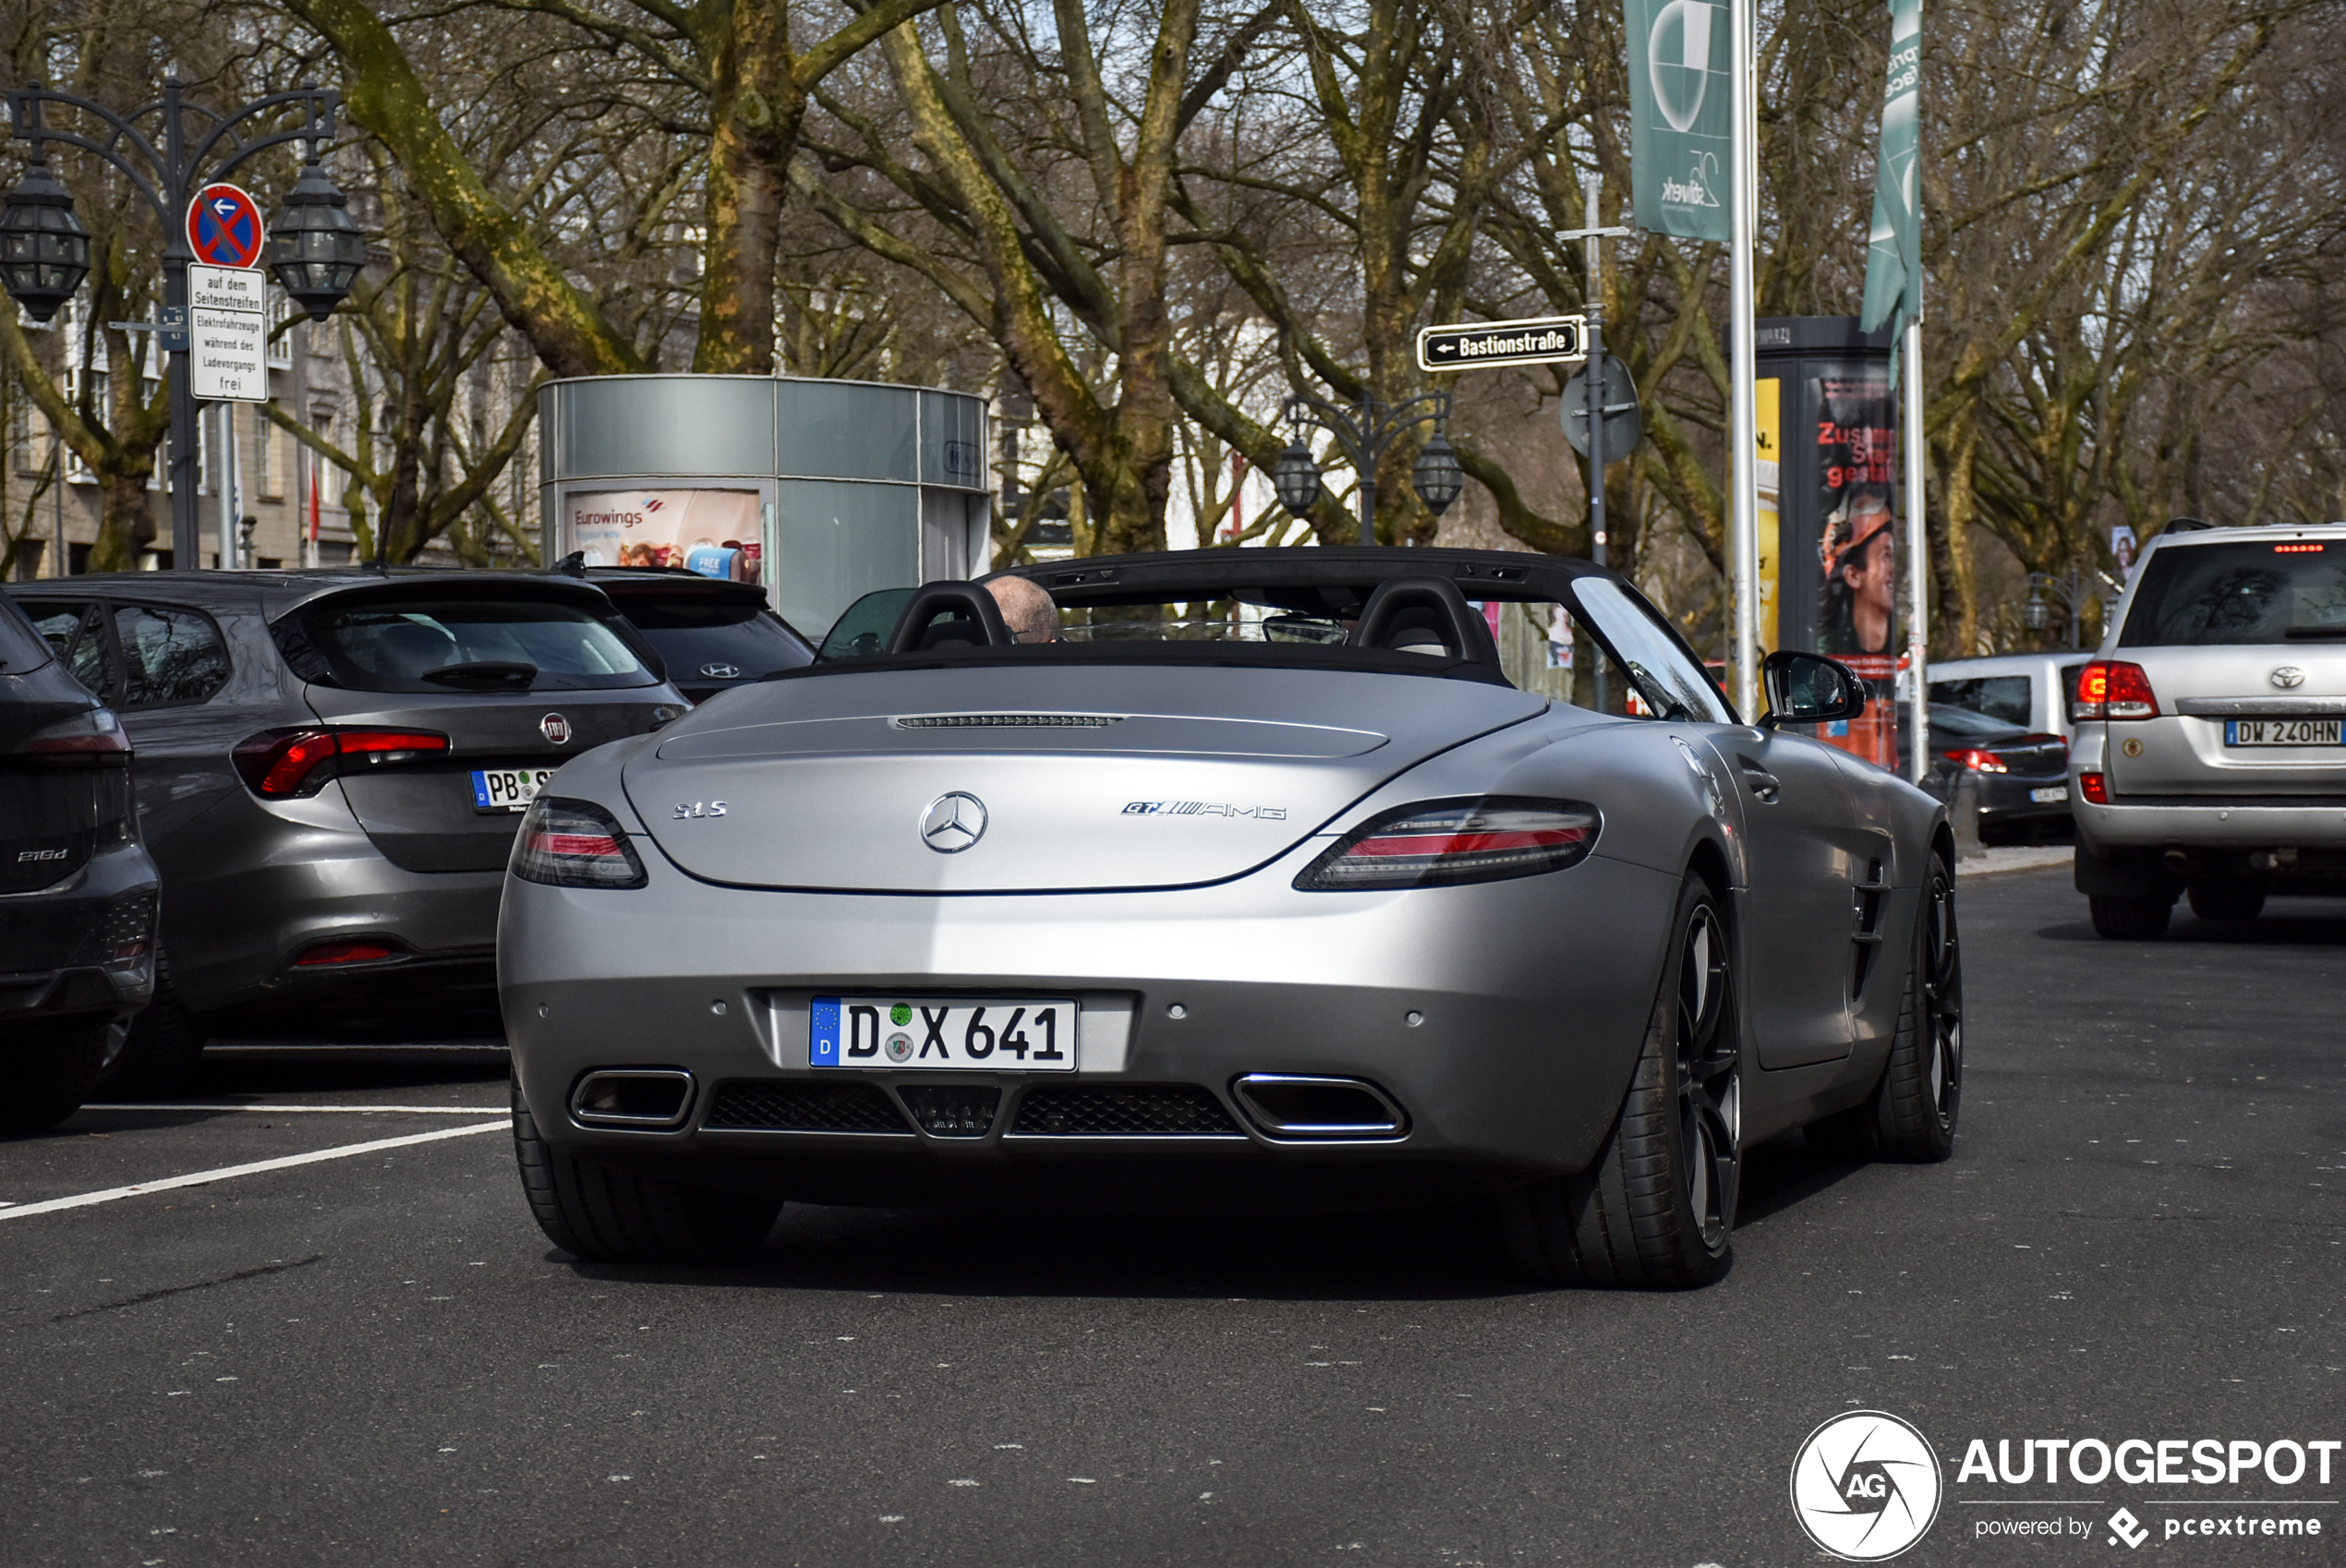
[[1366, 433], [2075, 591], [315, 248]]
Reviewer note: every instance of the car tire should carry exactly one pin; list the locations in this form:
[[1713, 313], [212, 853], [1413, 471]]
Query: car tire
[[600, 1215], [55, 1073], [165, 1048], [2131, 917], [2226, 901], [1656, 1210], [1912, 1113]]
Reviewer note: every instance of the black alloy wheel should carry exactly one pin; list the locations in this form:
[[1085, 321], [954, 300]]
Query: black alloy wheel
[[1656, 1209]]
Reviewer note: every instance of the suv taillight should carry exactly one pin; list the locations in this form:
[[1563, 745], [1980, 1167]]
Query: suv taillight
[[2112, 689], [279, 764], [92, 735]]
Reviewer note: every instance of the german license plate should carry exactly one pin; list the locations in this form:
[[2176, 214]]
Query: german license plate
[[899, 1033], [507, 788], [2280, 731], [2051, 794]]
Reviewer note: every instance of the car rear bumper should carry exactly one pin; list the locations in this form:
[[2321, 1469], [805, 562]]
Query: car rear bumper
[[281, 885], [1502, 1018], [58, 945]]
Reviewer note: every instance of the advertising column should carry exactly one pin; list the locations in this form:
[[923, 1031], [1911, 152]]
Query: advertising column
[[1856, 457]]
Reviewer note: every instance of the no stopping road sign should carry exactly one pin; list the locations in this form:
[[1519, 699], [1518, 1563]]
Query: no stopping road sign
[[223, 226]]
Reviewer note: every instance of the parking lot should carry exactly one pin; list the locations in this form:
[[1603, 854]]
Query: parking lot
[[374, 1357]]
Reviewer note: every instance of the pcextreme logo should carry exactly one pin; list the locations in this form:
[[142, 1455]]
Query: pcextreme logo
[[1866, 1486]]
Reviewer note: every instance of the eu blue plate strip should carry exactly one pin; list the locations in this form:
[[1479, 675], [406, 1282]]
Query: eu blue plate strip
[[822, 1040]]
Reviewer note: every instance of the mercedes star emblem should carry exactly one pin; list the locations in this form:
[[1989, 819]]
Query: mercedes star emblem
[[556, 728], [954, 823], [2288, 677]]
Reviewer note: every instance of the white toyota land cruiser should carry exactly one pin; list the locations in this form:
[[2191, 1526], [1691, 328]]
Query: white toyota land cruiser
[[2208, 758]]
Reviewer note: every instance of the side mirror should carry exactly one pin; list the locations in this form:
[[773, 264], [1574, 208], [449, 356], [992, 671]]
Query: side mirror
[[1806, 688]]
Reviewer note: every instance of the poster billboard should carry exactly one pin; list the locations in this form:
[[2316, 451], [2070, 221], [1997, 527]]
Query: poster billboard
[[1855, 459], [716, 533], [1767, 427]]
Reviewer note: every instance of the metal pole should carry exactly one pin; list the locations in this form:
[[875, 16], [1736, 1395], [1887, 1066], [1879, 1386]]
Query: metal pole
[[186, 528], [1918, 565], [1742, 427], [1594, 381]]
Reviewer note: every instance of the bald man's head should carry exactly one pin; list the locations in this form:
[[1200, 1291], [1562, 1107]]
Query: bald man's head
[[1026, 609]]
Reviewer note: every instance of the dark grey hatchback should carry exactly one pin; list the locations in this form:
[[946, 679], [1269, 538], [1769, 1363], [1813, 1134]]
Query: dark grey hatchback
[[330, 768]]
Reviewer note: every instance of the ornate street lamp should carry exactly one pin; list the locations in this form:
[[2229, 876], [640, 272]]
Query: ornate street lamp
[[314, 247], [1296, 477], [1437, 478], [1366, 433], [45, 249]]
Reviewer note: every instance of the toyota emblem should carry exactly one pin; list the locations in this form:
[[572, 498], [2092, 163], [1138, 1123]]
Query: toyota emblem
[[2288, 677], [556, 728], [954, 823]]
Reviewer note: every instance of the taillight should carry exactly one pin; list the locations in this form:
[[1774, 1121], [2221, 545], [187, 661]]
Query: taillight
[[2094, 787], [2112, 689], [1976, 760], [94, 733], [280, 765], [324, 953], [1440, 843], [566, 843]]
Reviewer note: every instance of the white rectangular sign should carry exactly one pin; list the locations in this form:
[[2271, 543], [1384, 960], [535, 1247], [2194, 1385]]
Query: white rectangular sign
[[227, 353], [227, 288]]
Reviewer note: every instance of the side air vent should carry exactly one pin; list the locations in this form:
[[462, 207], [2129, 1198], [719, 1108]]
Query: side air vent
[[789, 1106], [1147, 1110]]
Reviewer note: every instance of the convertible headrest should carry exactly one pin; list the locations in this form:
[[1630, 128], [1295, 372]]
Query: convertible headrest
[[975, 619], [1425, 615]]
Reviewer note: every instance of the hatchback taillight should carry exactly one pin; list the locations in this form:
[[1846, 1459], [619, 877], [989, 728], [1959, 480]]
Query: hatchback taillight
[[2112, 689], [280, 765], [566, 843], [1440, 843], [1976, 760]]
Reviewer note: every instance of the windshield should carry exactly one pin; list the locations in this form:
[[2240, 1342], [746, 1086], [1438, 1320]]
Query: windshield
[[2250, 591], [472, 644]]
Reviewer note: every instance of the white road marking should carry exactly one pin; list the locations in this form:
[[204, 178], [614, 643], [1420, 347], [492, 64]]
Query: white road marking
[[199, 1178], [322, 1110]]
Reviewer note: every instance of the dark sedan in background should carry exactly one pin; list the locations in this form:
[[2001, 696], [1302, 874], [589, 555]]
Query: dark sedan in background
[[330, 766], [2022, 776], [712, 634], [77, 890]]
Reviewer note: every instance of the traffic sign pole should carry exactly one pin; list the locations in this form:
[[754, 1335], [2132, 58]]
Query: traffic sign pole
[[1595, 259]]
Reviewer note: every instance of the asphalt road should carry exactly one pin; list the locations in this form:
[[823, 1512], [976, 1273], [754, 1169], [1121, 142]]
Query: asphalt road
[[376, 1358]]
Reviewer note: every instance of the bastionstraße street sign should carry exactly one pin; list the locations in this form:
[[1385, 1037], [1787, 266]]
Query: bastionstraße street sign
[[1473, 345]]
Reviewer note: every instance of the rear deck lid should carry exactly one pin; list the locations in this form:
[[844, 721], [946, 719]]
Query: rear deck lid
[[520, 675], [1008, 780]]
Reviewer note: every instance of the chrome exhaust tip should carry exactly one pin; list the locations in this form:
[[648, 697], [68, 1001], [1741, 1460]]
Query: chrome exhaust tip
[[640, 1099], [1290, 1105]]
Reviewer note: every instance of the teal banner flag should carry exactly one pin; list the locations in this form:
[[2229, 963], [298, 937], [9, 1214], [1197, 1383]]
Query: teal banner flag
[[1681, 119], [1893, 255]]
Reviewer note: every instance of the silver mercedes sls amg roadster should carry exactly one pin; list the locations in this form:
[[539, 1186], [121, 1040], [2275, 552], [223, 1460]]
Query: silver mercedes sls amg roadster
[[1254, 877]]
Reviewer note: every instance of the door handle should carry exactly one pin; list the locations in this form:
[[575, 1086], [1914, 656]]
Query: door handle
[[1764, 783]]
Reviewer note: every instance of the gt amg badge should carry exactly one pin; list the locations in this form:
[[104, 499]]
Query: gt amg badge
[[2288, 677], [954, 823], [556, 728]]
